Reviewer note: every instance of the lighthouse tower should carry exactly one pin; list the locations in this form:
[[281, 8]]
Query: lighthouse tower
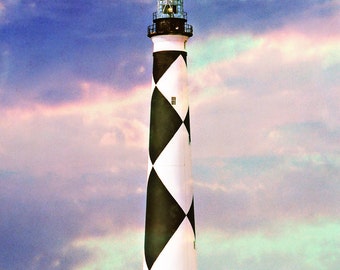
[[169, 224]]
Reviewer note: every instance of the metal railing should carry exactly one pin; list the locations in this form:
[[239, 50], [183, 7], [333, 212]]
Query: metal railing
[[188, 28]]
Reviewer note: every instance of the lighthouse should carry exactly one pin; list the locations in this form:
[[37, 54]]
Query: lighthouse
[[170, 235]]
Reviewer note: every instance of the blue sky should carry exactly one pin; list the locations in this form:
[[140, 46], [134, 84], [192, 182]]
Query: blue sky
[[75, 87]]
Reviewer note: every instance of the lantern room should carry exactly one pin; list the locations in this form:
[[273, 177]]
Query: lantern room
[[170, 9], [170, 19]]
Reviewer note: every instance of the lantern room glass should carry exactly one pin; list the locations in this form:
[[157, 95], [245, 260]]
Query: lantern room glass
[[170, 9]]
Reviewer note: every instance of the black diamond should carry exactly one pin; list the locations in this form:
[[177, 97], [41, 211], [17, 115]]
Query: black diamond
[[164, 123], [191, 216], [163, 217], [162, 61], [187, 124]]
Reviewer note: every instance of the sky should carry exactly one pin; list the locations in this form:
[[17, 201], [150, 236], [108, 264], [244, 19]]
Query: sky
[[75, 90]]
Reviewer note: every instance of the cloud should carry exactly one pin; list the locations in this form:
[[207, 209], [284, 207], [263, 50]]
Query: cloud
[[287, 246], [48, 222], [265, 135], [117, 251], [69, 172], [305, 138], [246, 194], [63, 180], [91, 135], [265, 81]]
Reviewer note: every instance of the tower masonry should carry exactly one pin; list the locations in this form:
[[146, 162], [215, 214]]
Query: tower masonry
[[170, 235]]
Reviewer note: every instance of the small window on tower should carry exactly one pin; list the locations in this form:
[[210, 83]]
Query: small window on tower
[[173, 100]]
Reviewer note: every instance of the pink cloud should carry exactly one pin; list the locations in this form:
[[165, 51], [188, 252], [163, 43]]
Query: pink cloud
[[286, 77], [97, 133]]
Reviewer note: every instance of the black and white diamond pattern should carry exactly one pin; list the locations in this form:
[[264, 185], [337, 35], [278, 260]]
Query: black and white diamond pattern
[[170, 223]]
